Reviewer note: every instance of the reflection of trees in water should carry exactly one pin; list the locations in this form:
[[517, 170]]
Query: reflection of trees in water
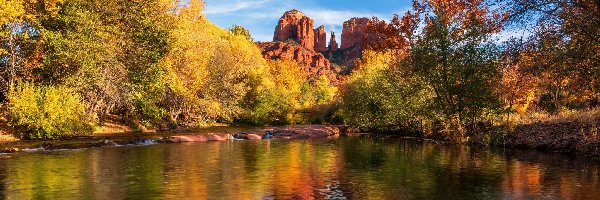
[[531, 174], [362, 167], [418, 170]]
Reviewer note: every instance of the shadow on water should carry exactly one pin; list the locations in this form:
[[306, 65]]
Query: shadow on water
[[365, 167]]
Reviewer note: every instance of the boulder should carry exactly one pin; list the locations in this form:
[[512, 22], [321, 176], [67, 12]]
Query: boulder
[[252, 136], [308, 132], [196, 138]]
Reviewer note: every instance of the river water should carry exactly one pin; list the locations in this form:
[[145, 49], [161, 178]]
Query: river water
[[366, 167]]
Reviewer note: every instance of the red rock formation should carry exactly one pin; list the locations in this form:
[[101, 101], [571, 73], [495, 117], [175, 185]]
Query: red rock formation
[[320, 39], [296, 26], [333, 45], [352, 33], [314, 63]]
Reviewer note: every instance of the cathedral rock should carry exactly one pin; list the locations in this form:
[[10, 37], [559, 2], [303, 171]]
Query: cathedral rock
[[320, 39], [296, 38], [353, 33], [294, 25]]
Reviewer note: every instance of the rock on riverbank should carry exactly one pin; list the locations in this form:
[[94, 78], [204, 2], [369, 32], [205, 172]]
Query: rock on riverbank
[[288, 132]]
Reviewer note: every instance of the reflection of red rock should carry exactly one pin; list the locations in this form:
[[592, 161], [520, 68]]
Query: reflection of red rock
[[320, 39], [315, 64], [353, 33], [296, 26]]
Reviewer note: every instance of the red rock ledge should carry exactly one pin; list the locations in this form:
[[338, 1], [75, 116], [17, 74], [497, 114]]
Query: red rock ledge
[[289, 132]]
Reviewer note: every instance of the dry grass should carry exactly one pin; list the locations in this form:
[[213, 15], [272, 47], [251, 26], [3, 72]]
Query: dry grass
[[113, 124], [6, 134], [587, 116]]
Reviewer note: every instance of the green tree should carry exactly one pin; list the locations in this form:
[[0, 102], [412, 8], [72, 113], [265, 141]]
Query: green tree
[[47, 112], [380, 97], [108, 51], [11, 14], [240, 30], [455, 55]]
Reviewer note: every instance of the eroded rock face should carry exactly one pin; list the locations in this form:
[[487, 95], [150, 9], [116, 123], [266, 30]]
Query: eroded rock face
[[320, 39], [314, 63], [352, 33], [295, 39], [294, 25], [333, 45]]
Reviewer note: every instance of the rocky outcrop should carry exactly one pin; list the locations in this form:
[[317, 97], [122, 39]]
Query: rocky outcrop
[[345, 57], [333, 45], [352, 32], [309, 132], [296, 39], [197, 138], [314, 63], [294, 25], [320, 39]]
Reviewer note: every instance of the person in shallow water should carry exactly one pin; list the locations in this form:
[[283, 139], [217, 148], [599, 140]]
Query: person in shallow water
[[267, 135], [244, 136], [241, 136]]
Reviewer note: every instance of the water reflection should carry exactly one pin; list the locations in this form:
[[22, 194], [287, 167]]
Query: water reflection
[[355, 168]]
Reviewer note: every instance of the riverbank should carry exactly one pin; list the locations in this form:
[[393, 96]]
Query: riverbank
[[576, 133], [219, 133], [573, 133]]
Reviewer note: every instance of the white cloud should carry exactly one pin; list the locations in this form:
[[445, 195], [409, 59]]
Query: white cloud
[[261, 16], [262, 37], [335, 17], [229, 7]]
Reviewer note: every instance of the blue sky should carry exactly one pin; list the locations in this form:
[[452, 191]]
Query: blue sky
[[261, 16]]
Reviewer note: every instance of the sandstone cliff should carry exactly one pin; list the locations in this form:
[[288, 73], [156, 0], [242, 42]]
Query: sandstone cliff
[[294, 25], [320, 39], [333, 45], [314, 63], [352, 32], [295, 38]]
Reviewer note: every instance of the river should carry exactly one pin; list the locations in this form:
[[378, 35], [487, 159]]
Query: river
[[363, 167]]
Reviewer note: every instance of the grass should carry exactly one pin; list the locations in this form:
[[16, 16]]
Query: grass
[[586, 116]]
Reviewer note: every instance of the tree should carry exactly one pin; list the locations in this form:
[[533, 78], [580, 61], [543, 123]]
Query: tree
[[455, 56], [11, 13], [381, 97], [240, 30], [519, 84], [564, 40]]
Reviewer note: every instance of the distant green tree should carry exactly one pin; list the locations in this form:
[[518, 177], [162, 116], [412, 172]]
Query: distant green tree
[[242, 31]]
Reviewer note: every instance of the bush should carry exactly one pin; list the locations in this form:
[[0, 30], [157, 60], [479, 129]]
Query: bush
[[47, 112], [380, 98]]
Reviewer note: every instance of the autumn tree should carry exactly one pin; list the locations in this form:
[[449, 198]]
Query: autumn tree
[[11, 16], [381, 97], [455, 55], [564, 41], [519, 82]]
